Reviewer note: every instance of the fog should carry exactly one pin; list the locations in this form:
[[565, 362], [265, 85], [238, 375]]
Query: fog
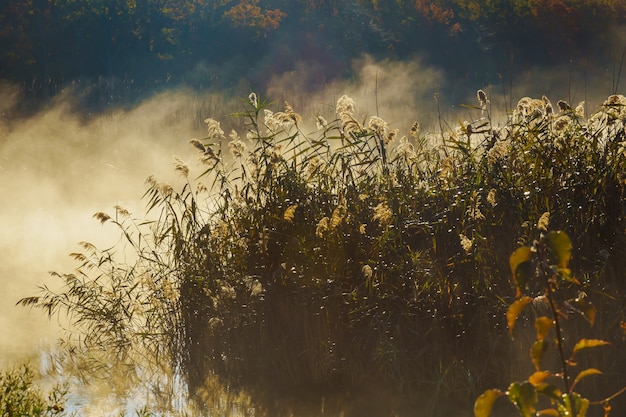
[[58, 168]]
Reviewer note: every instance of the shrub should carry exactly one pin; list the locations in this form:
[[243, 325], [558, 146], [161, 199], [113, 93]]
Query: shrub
[[20, 396]]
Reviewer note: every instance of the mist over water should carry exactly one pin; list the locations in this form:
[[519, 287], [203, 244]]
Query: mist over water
[[60, 166], [57, 168]]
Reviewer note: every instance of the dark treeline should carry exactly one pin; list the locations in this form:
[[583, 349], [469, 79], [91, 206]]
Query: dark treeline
[[130, 48]]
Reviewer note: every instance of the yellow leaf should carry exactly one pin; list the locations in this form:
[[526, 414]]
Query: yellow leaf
[[588, 343], [586, 372], [484, 403], [536, 352], [514, 311], [538, 377], [519, 261], [520, 255], [543, 324]]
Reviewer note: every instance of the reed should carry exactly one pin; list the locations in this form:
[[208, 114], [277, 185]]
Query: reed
[[350, 267]]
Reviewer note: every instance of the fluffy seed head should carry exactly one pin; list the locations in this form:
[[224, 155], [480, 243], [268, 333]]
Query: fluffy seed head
[[253, 100], [181, 166], [544, 221], [466, 243]]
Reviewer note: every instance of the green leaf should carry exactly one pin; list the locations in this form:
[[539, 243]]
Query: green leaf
[[573, 405], [484, 403], [536, 352], [543, 324], [549, 390], [560, 245], [588, 343], [524, 397], [514, 311], [584, 307], [548, 412]]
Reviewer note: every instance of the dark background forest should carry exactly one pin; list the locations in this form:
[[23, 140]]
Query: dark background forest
[[116, 51]]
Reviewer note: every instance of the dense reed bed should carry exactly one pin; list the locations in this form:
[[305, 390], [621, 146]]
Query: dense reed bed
[[352, 268]]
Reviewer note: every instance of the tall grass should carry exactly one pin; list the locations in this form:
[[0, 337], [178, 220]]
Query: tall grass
[[349, 267]]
